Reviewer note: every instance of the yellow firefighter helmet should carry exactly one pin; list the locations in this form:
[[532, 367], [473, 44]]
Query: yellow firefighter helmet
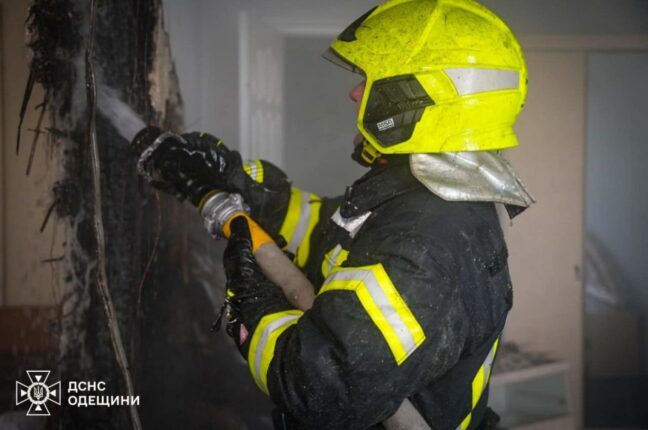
[[441, 76]]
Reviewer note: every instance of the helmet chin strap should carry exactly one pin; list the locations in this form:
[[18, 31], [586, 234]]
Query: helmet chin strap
[[365, 154]]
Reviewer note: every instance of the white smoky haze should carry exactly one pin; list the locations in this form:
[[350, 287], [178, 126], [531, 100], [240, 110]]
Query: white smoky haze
[[121, 115]]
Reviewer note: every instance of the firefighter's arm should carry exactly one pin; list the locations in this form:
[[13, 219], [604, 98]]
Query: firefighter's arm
[[282, 209], [196, 165], [373, 337]]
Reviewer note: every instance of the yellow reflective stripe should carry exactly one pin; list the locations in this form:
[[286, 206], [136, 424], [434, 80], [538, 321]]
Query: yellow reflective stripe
[[383, 303], [478, 386], [341, 258], [292, 215], [303, 249], [259, 174], [479, 383], [264, 341], [301, 217], [481, 379], [333, 258], [254, 170], [466, 422]]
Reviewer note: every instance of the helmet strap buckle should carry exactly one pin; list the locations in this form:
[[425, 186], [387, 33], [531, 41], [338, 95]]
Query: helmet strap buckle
[[365, 154]]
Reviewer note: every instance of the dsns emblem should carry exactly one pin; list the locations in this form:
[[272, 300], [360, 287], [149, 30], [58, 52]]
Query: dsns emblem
[[38, 393]]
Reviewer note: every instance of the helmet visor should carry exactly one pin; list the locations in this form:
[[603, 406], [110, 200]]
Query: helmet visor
[[339, 60]]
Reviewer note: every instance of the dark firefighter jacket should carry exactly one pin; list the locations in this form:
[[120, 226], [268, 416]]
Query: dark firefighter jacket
[[412, 296]]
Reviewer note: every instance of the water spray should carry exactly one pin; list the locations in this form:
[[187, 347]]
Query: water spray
[[121, 115]]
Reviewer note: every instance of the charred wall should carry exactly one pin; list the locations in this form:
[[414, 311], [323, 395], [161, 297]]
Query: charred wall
[[124, 52]]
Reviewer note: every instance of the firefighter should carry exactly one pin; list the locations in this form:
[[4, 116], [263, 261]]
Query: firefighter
[[410, 265]]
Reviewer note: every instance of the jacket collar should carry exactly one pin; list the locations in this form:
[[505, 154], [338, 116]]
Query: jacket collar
[[380, 184], [383, 183]]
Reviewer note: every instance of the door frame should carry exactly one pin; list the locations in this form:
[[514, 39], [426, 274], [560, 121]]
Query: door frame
[[3, 293]]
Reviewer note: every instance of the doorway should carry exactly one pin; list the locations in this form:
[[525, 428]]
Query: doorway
[[616, 282]]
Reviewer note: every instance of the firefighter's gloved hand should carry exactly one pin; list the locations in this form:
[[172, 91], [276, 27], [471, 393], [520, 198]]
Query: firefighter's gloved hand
[[191, 165], [250, 294]]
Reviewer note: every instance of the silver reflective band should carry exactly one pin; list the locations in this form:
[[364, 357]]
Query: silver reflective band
[[382, 302], [302, 225], [488, 362], [331, 261], [267, 332], [254, 171], [478, 80], [352, 225]]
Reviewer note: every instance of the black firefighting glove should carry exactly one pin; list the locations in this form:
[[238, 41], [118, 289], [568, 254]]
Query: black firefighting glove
[[250, 294], [190, 165]]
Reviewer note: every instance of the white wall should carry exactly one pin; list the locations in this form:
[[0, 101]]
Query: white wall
[[204, 44], [320, 119], [573, 16], [183, 19], [545, 243], [524, 16], [617, 168]]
